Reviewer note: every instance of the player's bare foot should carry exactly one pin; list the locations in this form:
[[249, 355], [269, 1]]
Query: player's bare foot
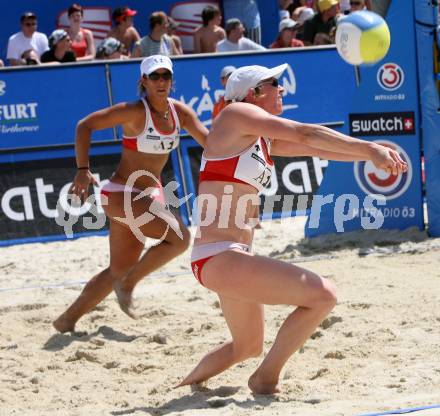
[[63, 325], [201, 386], [125, 299], [258, 386], [185, 382]]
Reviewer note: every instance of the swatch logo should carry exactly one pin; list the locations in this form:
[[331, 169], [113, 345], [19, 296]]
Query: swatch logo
[[382, 124], [390, 76]]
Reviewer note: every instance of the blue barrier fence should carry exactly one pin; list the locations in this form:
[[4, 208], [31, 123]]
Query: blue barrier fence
[[379, 103]]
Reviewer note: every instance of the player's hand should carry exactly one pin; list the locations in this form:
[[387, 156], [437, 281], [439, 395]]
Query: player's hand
[[388, 160], [81, 183]]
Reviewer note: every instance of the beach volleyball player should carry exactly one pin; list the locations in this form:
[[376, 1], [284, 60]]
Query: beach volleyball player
[[151, 128], [236, 163]]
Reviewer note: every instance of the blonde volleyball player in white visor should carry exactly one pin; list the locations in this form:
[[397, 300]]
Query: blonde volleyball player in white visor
[[237, 163]]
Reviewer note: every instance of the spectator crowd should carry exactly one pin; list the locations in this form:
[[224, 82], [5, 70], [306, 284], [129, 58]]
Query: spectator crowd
[[302, 23]]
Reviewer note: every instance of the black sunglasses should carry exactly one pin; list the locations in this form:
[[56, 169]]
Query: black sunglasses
[[155, 76], [355, 3], [31, 24], [274, 82]]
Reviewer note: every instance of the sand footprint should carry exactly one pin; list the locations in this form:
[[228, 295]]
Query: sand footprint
[[96, 317], [32, 307], [158, 339], [34, 320], [360, 305], [159, 313], [26, 307], [97, 342], [319, 373], [193, 298], [336, 355], [83, 355], [111, 364], [316, 334], [138, 368], [330, 321]]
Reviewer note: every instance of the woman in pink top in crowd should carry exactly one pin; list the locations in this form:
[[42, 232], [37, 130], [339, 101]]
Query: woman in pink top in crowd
[[82, 39]]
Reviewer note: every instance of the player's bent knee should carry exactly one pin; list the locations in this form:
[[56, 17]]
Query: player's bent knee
[[328, 297], [321, 296]]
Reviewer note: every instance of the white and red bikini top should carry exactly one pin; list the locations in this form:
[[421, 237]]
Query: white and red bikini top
[[252, 166], [153, 140]]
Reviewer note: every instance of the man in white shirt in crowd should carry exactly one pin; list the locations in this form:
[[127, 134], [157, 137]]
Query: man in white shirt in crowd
[[27, 39], [234, 39]]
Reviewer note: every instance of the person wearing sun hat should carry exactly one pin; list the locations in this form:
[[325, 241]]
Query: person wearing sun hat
[[322, 22], [288, 29], [111, 48], [246, 78], [220, 104], [151, 128], [306, 13], [60, 50], [237, 163], [123, 29]]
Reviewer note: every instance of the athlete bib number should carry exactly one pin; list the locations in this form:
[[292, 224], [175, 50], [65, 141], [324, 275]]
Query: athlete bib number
[[264, 178], [166, 144]]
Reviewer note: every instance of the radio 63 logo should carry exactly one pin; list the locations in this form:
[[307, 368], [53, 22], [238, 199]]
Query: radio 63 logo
[[390, 76], [376, 181]]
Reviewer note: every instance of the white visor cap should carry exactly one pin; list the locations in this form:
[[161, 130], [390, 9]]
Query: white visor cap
[[247, 77], [153, 62]]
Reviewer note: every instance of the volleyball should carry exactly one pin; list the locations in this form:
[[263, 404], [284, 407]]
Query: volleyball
[[362, 38]]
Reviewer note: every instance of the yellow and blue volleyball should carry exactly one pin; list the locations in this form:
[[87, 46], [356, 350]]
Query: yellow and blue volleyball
[[362, 38]]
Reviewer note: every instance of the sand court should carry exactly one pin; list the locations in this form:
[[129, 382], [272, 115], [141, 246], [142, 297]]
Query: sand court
[[377, 351]]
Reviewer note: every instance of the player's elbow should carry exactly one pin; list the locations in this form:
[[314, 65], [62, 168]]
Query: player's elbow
[[83, 126]]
